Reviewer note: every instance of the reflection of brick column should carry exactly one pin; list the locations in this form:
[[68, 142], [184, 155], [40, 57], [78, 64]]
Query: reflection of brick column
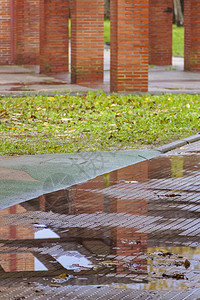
[[87, 40], [130, 243], [54, 36], [160, 32], [192, 35], [11, 262], [42, 203], [5, 32], [126, 241], [137, 172], [129, 45], [26, 15], [85, 201]]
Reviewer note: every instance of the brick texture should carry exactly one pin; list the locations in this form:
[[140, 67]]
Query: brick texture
[[87, 40], [26, 18], [54, 36], [5, 32], [160, 32], [192, 35], [12, 261], [129, 45]]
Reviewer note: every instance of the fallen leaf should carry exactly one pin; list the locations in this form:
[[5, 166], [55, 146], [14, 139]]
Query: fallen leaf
[[187, 264], [64, 275]]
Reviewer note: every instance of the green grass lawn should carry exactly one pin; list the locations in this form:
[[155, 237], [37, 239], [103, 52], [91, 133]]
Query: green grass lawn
[[30, 125], [106, 31], [177, 35], [178, 41]]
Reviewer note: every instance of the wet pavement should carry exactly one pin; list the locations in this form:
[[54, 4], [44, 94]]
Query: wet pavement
[[25, 80], [133, 233]]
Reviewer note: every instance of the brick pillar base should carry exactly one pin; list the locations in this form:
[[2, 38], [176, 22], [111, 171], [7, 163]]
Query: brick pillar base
[[27, 31], [5, 32], [54, 16], [192, 35], [129, 45], [160, 32], [87, 40]]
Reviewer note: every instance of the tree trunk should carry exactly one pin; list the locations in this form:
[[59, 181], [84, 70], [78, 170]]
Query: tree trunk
[[107, 9], [178, 14]]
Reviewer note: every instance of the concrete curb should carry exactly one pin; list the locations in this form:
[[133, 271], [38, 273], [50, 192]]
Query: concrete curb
[[59, 93], [179, 143]]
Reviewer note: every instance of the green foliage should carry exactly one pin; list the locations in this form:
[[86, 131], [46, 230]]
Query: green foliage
[[30, 125], [107, 31], [178, 41]]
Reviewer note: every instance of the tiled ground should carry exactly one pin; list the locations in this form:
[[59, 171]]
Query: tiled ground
[[130, 234]]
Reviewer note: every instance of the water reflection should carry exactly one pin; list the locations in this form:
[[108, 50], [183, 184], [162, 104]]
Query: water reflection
[[73, 260], [137, 226], [45, 233]]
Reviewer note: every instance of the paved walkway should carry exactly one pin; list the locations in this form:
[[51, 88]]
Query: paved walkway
[[21, 80], [133, 233]]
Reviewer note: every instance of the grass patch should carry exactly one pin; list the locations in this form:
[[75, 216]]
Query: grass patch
[[107, 31], [30, 125], [178, 41]]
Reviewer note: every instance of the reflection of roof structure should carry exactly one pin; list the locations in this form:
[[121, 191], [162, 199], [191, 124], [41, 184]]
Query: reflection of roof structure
[[12, 174]]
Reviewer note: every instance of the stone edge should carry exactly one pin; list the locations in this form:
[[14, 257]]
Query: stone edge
[[179, 143]]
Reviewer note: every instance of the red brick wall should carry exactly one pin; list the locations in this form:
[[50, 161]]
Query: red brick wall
[[27, 32], [160, 32], [192, 35], [129, 45], [54, 36], [5, 32], [87, 40]]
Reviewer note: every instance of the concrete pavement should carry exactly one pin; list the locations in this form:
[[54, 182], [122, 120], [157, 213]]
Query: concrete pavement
[[27, 80]]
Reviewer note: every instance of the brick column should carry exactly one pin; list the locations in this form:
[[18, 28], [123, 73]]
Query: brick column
[[87, 40], [129, 45], [27, 19], [5, 32], [192, 35], [160, 32], [54, 35]]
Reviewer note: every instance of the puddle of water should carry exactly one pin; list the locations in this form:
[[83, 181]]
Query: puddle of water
[[137, 226], [46, 233], [73, 260], [38, 265]]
